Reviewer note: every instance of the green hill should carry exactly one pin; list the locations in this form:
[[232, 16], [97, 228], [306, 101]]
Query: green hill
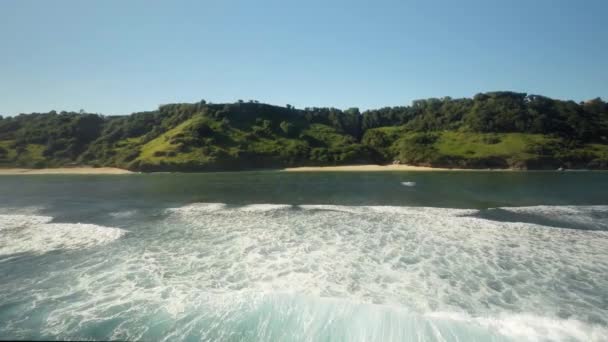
[[497, 130]]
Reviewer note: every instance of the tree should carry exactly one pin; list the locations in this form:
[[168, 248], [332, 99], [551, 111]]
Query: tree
[[238, 134], [287, 128]]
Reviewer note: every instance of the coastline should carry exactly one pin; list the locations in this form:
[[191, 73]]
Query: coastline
[[373, 167], [84, 170], [66, 171]]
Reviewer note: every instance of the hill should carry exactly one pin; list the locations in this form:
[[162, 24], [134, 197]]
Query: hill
[[497, 129]]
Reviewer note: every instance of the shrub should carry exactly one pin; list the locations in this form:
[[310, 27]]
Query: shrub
[[319, 154], [287, 128], [491, 139], [131, 155]]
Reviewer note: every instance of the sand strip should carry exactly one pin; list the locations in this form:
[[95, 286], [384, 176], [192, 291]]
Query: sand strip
[[379, 168], [66, 171]]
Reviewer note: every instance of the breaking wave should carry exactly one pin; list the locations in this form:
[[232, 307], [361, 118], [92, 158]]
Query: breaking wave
[[213, 271], [35, 234]]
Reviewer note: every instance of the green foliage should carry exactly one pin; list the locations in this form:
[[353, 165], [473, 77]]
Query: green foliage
[[496, 129], [494, 150], [504, 112], [418, 148], [287, 128]]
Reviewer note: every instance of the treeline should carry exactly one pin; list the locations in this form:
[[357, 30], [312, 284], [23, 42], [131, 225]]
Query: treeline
[[313, 135], [499, 112], [65, 135], [250, 134]]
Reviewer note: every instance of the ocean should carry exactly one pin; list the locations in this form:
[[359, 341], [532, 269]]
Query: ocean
[[314, 256]]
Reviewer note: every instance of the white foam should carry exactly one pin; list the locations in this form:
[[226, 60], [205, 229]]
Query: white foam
[[411, 211], [427, 211], [264, 207], [530, 327], [408, 183], [330, 207], [198, 208], [418, 257], [212, 271], [123, 214], [558, 209], [34, 234], [22, 221]]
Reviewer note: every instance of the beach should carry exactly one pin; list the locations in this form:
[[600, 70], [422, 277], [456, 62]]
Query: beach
[[341, 168], [66, 170], [372, 167]]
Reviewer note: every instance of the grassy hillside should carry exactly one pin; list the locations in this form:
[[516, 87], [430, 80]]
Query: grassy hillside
[[187, 137], [29, 155], [483, 150], [497, 130]]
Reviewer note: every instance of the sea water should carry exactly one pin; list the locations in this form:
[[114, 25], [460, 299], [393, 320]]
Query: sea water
[[274, 256]]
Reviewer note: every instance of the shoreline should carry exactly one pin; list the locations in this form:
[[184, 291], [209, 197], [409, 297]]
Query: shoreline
[[65, 171], [373, 167], [85, 170]]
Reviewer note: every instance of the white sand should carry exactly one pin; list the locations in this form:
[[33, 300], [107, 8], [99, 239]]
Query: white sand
[[399, 167], [66, 170]]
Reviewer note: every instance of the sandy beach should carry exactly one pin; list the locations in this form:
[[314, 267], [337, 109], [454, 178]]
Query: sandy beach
[[379, 168], [342, 168], [66, 171]]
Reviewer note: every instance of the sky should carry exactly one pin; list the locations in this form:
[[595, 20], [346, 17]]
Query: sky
[[118, 57]]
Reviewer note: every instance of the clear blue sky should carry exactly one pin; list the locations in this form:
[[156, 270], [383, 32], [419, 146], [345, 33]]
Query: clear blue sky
[[117, 57]]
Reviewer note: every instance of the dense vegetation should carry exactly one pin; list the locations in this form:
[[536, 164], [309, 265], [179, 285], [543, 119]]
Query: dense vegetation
[[498, 129]]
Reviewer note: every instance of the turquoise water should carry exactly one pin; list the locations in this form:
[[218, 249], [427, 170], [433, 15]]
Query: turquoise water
[[459, 256]]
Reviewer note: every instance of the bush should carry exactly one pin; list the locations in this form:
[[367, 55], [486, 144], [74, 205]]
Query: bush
[[200, 130], [287, 128], [131, 155], [599, 163], [491, 139], [418, 148], [376, 138], [544, 149], [319, 154], [423, 138], [135, 165], [39, 164]]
